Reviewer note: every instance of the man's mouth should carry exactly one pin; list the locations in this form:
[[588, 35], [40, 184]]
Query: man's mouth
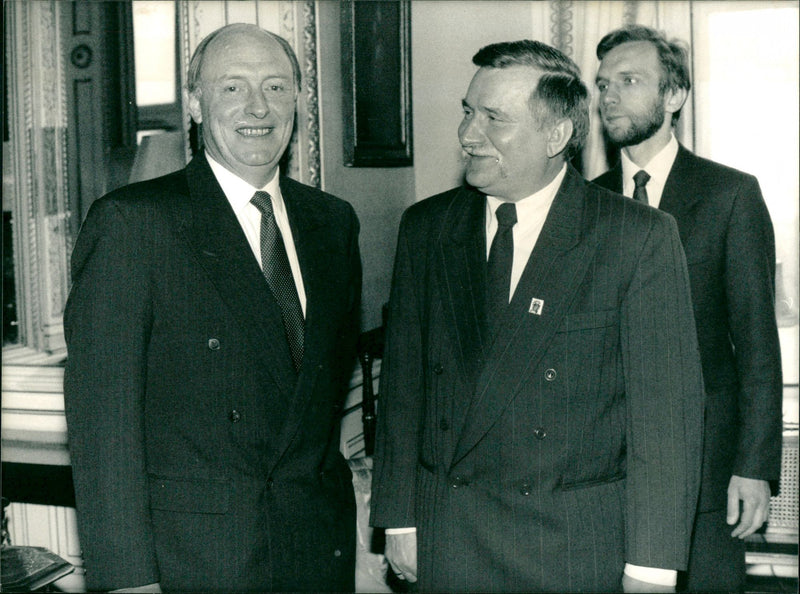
[[469, 154], [253, 132]]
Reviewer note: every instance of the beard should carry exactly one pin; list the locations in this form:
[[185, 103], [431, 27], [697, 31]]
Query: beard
[[639, 128]]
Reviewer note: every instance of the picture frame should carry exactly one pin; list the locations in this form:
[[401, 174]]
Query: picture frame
[[376, 83]]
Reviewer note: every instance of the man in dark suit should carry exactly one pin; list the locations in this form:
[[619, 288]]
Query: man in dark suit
[[211, 339], [728, 239], [540, 417]]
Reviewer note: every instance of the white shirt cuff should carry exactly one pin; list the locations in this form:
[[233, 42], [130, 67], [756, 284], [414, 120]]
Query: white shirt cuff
[[391, 531], [652, 575]]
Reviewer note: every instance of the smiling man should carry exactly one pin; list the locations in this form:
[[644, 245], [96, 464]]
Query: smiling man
[[211, 331], [533, 434], [727, 234]]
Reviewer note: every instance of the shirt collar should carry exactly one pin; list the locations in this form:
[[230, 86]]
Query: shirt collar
[[239, 192], [535, 201], [659, 166]]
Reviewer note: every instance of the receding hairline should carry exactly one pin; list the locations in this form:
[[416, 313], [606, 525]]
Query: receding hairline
[[212, 41]]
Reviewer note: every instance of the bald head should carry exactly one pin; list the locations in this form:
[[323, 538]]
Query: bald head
[[236, 30]]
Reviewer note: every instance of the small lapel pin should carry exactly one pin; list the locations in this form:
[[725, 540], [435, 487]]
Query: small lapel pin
[[536, 306]]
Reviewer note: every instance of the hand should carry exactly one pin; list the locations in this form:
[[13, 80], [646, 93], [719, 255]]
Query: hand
[[401, 553], [630, 584], [146, 588], [754, 496]]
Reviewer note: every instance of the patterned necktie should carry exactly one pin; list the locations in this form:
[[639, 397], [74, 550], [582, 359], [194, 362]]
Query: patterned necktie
[[640, 180], [501, 257], [278, 273]]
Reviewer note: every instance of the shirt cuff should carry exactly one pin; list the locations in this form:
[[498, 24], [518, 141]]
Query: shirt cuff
[[391, 531], [652, 575]]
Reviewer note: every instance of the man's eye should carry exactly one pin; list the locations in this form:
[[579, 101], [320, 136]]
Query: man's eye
[[231, 89], [602, 87], [631, 80], [276, 88]]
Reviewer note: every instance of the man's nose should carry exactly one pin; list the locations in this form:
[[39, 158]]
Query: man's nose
[[609, 96], [257, 105], [470, 132]]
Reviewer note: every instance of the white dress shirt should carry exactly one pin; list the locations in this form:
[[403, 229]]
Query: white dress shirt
[[658, 169], [239, 192], [531, 214]]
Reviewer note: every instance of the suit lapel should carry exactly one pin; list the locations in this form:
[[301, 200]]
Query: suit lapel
[[311, 237], [212, 230], [552, 275], [682, 190], [462, 278]]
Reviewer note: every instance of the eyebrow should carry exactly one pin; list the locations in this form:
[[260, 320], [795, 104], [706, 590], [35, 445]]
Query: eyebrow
[[490, 110], [235, 76]]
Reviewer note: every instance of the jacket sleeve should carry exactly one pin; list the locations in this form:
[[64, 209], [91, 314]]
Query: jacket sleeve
[[750, 293], [107, 322], [401, 394], [665, 398]]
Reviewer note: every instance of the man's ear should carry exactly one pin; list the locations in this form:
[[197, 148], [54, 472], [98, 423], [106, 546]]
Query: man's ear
[[192, 100], [674, 99], [560, 135]]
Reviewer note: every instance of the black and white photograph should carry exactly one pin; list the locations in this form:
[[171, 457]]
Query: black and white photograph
[[400, 296]]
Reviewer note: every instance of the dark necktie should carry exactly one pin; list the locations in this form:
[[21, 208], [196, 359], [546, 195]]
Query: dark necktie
[[640, 181], [501, 257], [278, 273]]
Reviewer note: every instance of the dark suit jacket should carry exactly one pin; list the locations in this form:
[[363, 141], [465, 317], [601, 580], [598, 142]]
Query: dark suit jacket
[[547, 458], [727, 235], [201, 459]]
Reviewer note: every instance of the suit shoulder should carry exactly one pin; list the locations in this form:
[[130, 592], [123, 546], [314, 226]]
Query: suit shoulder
[[433, 206], [138, 194], [717, 171], [609, 179], [614, 208], [316, 198]]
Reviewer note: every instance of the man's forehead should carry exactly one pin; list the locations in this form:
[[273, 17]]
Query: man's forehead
[[631, 53], [245, 52], [493, 87]]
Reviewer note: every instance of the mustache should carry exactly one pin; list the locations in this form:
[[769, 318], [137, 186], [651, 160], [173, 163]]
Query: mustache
[[466, 155]]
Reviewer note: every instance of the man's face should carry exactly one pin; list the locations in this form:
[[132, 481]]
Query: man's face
[[631, 105], [246, 103], [504, 144]]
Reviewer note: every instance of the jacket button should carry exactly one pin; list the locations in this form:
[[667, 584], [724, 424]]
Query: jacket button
[[438, 369], [525, 489], [539, 433], [213, 344], [235, 416], [550, 375], [458, 481], [337, 553], [444, 425], [270, 484]]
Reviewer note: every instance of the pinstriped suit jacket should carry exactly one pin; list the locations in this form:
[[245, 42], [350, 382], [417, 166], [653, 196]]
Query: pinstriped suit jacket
[[546, 458], [201, 459], [729, 243]]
